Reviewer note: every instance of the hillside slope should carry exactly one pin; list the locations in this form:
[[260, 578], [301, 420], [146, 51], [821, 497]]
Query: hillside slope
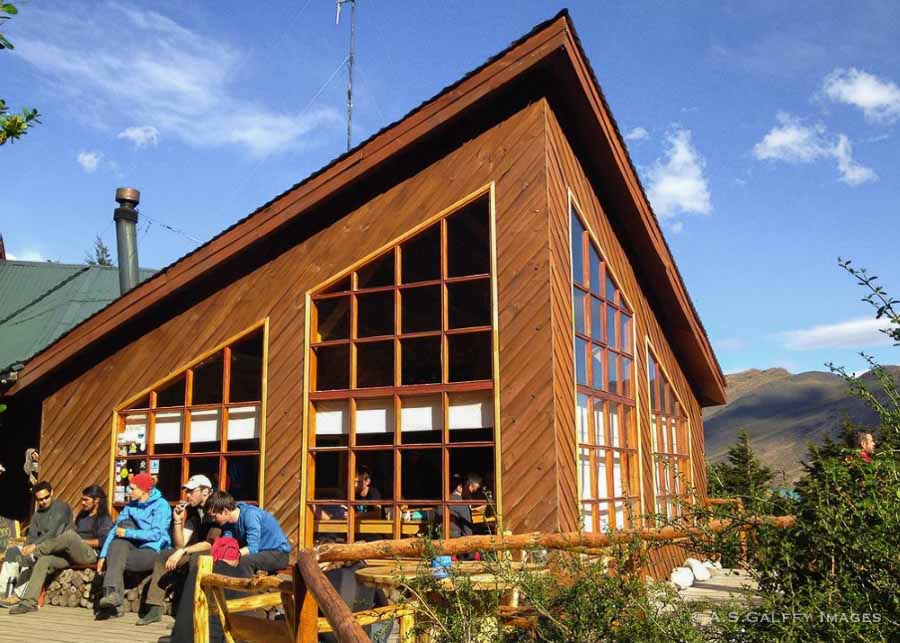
[[783, 413]]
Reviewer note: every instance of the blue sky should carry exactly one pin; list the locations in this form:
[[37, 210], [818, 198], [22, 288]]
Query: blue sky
[[765, 133]]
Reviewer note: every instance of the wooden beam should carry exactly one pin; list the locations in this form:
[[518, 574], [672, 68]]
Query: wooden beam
[[201, 603], [339, 616], [306, 611], [415, 548]]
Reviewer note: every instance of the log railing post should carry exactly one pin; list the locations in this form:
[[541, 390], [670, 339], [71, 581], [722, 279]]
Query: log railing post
[[201, 603], [305, 617], [338, 615]]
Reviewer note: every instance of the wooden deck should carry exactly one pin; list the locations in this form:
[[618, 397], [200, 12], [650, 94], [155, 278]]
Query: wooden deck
[[77, 625], [731, 584]]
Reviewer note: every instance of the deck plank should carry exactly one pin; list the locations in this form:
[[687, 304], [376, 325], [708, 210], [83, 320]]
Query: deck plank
[[77, 625]]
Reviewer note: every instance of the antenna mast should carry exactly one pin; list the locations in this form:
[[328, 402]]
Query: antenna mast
[[350, 58]]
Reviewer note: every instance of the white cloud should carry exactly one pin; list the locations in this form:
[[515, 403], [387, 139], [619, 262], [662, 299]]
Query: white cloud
[[636, 134], [852, 334], [89, 161], [142, 136], [878, 99], [677, 183], [676, 227], [187, 84], [27, 255], [793, 141], [852, 173]]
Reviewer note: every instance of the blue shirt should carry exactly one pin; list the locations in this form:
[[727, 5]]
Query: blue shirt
[[257, 530]]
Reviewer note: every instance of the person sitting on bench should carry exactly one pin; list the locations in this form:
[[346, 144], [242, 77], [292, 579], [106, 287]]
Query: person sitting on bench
[[78, 546], [264, 547], [141, 531], [193, 533], [50, 519]]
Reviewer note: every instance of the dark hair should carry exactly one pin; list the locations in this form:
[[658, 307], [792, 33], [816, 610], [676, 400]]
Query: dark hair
[[96, 492], [220, 501], [43, 485]]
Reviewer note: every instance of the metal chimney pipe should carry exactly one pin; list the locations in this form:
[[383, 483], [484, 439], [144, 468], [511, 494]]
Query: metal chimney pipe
[[126, 217]]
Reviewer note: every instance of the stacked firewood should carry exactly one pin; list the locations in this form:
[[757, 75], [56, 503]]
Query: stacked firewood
[[83, 588]]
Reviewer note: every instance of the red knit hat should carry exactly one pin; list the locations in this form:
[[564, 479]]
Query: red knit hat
[[226, 548], [143, 481]]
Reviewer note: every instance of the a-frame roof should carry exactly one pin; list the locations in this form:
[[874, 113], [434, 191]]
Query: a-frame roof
[[550, 61]]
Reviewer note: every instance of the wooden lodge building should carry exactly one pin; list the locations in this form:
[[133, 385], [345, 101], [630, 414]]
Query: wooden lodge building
[[480, 287]]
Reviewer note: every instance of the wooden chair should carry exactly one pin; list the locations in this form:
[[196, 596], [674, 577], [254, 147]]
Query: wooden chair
[[302, 623]]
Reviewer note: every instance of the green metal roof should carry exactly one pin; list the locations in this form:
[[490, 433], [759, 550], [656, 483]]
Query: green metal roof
[[41, 301]]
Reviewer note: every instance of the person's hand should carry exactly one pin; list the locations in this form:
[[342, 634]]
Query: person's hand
[[120, 532], [100, 563], [178, 514], [27, 550], [173, 560]]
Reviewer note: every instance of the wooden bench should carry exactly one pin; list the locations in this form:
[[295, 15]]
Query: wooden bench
[[295, 596]]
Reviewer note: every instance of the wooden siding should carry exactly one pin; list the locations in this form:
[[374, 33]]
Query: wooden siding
[[533, 166], [75, 436], [566, 173]]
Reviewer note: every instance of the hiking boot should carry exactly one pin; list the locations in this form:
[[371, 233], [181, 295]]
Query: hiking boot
[[106, 613], [23, 608], [153, 615], [110, 598], [9, 601]]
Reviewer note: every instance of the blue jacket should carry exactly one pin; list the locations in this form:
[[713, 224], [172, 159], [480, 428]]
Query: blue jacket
[[257, 530], [152, 519]]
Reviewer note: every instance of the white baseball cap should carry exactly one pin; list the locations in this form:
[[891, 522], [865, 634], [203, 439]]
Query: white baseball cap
[[198, 480]]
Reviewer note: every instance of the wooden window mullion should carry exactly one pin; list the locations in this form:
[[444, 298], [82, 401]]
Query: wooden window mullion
[[188, 400]]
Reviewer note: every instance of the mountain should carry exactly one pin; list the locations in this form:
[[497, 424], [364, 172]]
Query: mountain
[[783, 413]]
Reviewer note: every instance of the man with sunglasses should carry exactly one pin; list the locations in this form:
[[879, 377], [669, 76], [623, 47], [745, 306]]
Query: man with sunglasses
[[51, 518], [76, 546]]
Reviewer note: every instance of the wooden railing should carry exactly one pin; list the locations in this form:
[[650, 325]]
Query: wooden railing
[[309, 590], [742, 534]]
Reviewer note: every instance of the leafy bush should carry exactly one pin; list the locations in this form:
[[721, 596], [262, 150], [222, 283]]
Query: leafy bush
[[567, 597]]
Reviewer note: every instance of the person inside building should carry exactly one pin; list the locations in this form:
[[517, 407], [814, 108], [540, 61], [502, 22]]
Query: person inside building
[[461, 523], [263, 548], [50, 519], [78, 546], [367, 492], [193, 533], [141, 532]]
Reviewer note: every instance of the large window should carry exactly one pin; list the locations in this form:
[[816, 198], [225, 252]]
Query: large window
[[668, 428], [206, 419], [605, 407], [401, 386]]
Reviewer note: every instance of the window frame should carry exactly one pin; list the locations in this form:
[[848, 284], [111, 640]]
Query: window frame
[[629, 449], [662, 460], [445, 389], [185, 372]]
